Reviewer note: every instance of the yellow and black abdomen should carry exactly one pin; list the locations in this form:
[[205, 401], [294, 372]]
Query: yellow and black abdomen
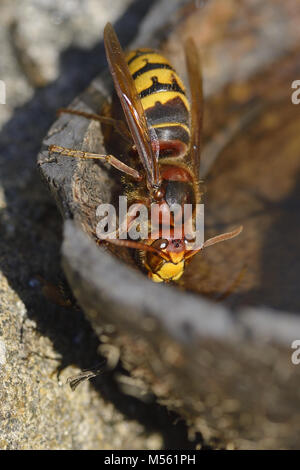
[[163, 98]]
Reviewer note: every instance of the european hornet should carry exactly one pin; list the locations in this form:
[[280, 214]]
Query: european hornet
[[165, 130]]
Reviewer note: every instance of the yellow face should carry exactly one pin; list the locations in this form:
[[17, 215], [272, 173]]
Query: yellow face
[[161, 270], [168, 272]]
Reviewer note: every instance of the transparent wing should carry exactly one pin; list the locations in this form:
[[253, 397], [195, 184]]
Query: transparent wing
[[131, 104], [195, 82]]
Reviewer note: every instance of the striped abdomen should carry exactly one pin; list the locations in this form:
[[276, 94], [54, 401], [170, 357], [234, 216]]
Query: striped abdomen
[[163, 98]]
